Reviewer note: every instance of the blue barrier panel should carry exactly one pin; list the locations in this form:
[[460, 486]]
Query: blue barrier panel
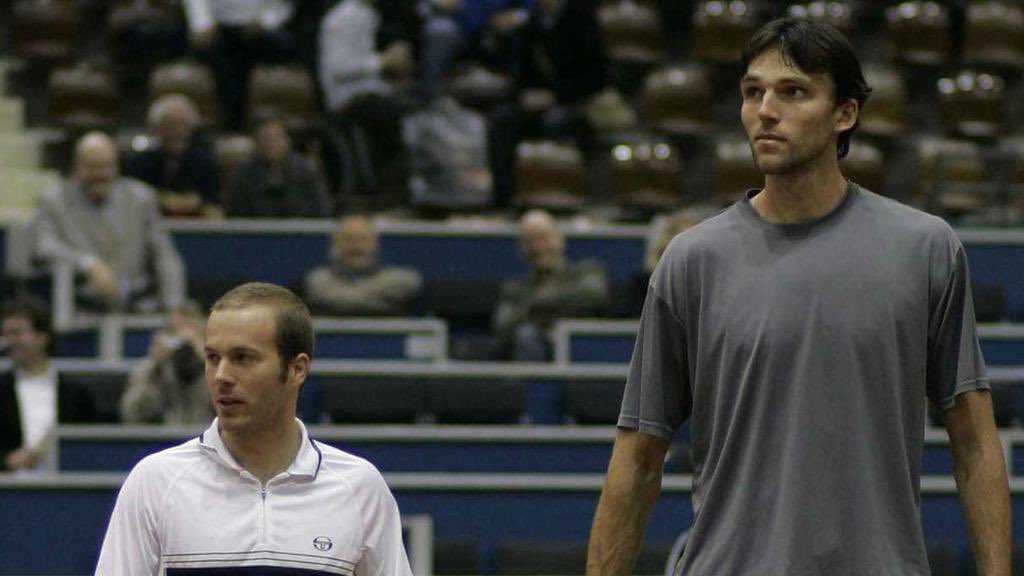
[[136, 342], [77, 344], [1002, 265], [1003, 352], [936, 460], [360, 346]]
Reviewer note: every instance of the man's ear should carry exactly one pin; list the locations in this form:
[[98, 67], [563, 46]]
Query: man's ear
[[849, 112], [298, 369]]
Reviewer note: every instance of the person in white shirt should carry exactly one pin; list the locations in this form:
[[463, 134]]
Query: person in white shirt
[[28, 393], [232, 35], [254, 491]]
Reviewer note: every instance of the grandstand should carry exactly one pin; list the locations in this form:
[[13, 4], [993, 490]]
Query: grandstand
[[497, 466]]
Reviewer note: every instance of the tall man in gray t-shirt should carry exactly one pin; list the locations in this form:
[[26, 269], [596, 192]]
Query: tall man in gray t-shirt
[[800, 331]]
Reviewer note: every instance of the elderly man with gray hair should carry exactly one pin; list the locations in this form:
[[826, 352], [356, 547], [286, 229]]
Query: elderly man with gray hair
[[109, 229], [180, 166]]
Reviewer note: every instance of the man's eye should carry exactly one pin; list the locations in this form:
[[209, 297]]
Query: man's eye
[[751, 92]]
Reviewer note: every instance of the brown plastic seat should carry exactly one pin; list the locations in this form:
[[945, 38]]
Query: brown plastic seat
[[632, 32], [129, 18], [191, 79], [477, 87], [735, 172], [952, 177], [865, 165], [45, 31], [549, 175], [973, 104], [885, 113], [919, 32], [647, 174], [722, 28], [288, 91], [994, 34], [678, 99], [83, 98], [231, 150], [837, 14]]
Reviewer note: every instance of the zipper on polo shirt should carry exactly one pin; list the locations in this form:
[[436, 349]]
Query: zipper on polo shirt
[[263, 514]]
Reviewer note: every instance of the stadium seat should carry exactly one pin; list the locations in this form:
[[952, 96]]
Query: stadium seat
[[647, 174], [885, 113], [140, 33], [632, 32], [865, 165], [456, 557], [951, 176], [83, 98], [191, 79], [550, 175], [973, 104], [837, 14], [373, 400], [734, 169], [678, 99], [721, 28], [541, 557], [45, 31], [593, 401], [919, 32], [90, 397], [287, 90], [479, 88], [461, 401], [994, 34]]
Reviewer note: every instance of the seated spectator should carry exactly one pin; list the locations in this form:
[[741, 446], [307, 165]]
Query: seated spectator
[[356, 284], [110, 230], [560, 67], [277, 182], [180, 167], [232, 35], [528, 307], [169, 386], [357, 83], [28, 392]]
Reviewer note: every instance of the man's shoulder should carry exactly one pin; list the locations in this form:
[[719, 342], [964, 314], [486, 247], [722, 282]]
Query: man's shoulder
[[170, 460], [350, 468], [895, 215]]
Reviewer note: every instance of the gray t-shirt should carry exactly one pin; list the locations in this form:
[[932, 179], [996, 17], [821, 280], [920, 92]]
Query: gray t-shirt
[[802, 354]]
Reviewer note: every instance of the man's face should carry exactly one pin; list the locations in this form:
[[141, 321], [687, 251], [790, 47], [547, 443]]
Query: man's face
[[174, 131], [355, 244], [790, 116], [244, 371], [25, 345], [273, 142], [542, 246], [96, 168]]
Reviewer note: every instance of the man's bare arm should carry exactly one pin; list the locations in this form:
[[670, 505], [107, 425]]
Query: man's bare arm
[[630, 489], [981, 477]]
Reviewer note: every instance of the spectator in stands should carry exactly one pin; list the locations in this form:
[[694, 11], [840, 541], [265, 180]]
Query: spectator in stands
[[355, 283], [453, 28], [277, 182], [181, 166], [28, 392], [233, 35], [110, 230], [168, 386], [358, 84], [560, 67], [554, 288]]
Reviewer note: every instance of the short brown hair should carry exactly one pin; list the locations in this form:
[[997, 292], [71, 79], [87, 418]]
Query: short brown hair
[[32, 309], [293, 326]]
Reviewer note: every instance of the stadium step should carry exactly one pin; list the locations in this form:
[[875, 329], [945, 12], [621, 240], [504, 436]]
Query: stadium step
[[20, 151], [12, 115], [19, 189]]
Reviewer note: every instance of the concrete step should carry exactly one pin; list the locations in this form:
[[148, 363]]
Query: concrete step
[[20, 188], [20, 151], [12, 115]]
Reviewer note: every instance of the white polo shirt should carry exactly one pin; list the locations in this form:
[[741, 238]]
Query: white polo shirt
[[192, 510]]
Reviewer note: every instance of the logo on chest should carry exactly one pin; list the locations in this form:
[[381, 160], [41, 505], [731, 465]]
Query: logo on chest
[[322, 543]]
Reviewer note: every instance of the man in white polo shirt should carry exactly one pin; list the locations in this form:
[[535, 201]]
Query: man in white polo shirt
[[253, 493]]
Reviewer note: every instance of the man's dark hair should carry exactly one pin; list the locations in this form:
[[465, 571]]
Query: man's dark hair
[[32, 309], [814, 47], [293, 326]]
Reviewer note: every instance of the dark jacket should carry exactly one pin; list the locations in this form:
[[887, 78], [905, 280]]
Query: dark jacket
[[300, 193], [197, 171], [566, 56], [74, 404]]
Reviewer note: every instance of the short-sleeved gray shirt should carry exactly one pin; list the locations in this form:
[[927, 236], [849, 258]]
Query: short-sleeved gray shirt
[[802, 354]]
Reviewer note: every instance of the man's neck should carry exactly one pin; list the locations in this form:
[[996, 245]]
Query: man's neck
[[803, 197], [267, 453]]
